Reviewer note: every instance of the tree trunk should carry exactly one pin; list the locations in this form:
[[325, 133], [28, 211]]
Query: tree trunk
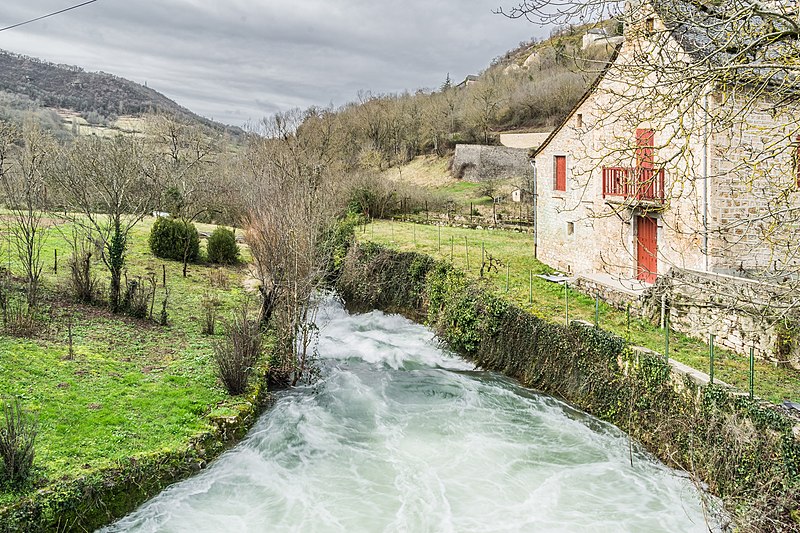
[[268, 299], [116, 262]]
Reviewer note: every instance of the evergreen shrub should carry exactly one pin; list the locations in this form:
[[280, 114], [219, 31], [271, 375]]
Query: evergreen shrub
[[222, 247], [170, 237]]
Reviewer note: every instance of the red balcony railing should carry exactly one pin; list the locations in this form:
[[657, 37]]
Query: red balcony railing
[[645, 184]]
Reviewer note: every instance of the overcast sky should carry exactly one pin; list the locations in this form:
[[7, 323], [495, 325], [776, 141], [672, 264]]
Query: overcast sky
[[239, 60]]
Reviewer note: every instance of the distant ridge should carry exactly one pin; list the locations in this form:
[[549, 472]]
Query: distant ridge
[[71, 87]]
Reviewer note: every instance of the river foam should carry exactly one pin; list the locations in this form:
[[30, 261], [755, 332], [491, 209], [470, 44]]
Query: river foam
[[402, 436]]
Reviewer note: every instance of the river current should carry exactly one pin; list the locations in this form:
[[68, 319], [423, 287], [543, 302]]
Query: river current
[[401, 436]]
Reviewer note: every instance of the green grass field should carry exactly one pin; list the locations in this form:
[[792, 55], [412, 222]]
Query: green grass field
[[133, 386], [516, 251]]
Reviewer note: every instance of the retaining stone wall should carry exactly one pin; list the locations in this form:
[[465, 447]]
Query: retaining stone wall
[[476, 163], [740, 312]]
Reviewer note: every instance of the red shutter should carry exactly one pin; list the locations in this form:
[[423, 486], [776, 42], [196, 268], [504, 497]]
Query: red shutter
[[645, 143], [561, 173]]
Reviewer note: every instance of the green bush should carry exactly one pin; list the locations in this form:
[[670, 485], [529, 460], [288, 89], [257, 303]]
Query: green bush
[[169, 239], [222, 247]]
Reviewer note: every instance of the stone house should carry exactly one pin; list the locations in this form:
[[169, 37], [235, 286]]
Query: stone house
[[654, 173]]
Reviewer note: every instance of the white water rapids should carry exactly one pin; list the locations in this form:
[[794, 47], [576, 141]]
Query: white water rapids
[[401, 436]]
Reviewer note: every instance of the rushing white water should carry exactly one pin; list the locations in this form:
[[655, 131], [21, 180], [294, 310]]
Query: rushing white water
[[401, 436]]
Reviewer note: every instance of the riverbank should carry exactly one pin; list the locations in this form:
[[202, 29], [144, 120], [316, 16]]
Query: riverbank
[[124, 406], [513, 276], [745, 452]]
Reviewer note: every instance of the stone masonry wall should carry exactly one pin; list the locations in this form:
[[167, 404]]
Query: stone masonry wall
[[741, 313], [476, 163], [755, 200]]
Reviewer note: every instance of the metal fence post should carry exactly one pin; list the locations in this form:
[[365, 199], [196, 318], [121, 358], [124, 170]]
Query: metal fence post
[[711, 357], [530, 286], [628, 315], [566, 302], [597, 310], [752, 370], [666, 339]]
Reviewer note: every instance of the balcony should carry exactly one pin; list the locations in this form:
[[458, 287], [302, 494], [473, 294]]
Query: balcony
[[631, 183]]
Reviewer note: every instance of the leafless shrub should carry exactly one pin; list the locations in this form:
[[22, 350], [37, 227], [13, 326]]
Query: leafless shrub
[[210, 305], [19, 318], [218, 278], [17, 443], [81, 282], [137, 298], [237, 354]]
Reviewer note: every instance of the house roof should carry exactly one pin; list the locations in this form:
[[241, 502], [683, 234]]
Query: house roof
[[735, 38], [747, 39]]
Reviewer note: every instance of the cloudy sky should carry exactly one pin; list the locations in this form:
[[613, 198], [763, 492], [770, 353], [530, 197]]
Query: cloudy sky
[[239, 60]]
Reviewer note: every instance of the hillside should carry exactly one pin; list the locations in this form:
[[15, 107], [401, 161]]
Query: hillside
[[96, 96]]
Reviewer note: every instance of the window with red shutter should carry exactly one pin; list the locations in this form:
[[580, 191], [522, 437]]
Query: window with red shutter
[[645, 145], [560, 164], [797, 161]]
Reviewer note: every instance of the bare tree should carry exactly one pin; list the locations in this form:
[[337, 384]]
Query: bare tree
[[291, 199], [22, 172], [487, 97], [104, 182], [186, 166]]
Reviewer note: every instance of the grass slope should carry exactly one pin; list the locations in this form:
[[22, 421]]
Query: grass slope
[[133, 387]]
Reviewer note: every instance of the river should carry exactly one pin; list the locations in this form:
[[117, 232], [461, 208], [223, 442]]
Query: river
[[402, 436]]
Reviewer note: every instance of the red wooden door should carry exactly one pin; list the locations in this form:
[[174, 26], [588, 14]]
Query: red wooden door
[[645, 146], [646, 249]]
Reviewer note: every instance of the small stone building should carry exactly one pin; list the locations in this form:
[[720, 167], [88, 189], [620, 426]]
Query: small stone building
[[660, 174]]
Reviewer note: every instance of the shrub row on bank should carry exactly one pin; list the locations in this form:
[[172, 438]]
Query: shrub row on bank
[[745, 452], [178, 240]]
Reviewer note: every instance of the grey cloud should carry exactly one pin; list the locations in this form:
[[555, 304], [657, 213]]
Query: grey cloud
[[240, 59]]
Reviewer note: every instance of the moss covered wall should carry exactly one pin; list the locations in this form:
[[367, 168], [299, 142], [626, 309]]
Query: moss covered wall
[[746, 452]]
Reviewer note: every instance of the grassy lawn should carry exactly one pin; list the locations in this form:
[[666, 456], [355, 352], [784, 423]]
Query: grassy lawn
[[516, 251], [133, 386]]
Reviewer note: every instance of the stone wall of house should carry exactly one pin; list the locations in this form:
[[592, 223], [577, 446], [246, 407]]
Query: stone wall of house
[[580, 231], [476, 163], [755, 199], [741, 313]]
